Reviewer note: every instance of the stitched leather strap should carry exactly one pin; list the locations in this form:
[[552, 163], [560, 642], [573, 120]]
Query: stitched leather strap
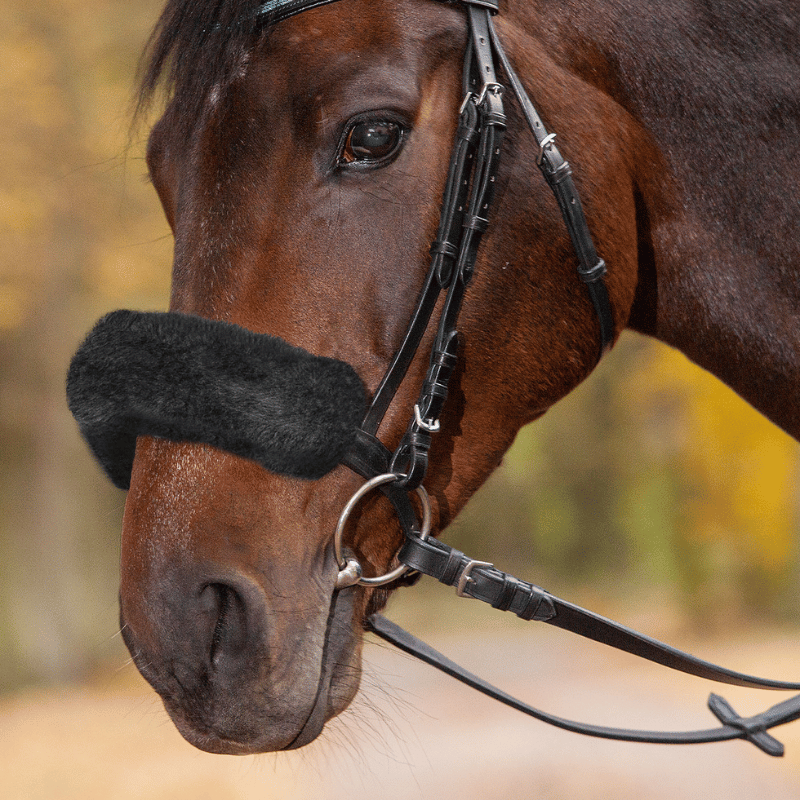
[[558, 174], [485, 582], [444, 252], [274, 11]]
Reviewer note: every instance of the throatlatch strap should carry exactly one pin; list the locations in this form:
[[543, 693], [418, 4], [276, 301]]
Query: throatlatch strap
[[558, 174]]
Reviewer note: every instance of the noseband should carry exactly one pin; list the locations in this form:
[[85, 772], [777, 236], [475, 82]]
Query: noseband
[[245, 382]]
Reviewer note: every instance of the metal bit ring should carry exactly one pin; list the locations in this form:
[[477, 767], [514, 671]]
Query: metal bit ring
[[349, 567]]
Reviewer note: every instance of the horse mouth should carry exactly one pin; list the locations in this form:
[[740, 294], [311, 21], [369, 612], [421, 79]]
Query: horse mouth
[[257, 710]]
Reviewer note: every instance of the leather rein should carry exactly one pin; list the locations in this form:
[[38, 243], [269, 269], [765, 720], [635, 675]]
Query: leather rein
[[466, 201]]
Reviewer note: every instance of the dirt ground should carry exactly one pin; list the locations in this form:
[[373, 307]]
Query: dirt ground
[[415, 733]]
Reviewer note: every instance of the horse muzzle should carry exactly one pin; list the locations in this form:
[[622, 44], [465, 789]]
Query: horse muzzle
[[249, 652], [235, 674]]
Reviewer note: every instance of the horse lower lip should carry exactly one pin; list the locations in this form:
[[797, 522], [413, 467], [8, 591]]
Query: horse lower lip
[[211, 742], [230, 733]]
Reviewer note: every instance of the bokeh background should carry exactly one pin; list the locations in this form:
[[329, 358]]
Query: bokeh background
[[652, 492]]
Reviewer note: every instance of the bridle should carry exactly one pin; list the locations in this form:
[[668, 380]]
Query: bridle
[[466, 201]]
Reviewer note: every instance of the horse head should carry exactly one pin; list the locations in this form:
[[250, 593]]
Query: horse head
[[301, 166]]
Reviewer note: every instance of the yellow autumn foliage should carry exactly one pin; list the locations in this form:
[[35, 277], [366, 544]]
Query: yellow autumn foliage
[[745, 468]]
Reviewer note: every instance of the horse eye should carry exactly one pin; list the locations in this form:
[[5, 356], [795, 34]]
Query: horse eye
[[371, 141]]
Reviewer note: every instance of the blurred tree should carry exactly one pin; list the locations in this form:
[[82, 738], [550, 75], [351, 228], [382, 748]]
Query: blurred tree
[[63, 135]]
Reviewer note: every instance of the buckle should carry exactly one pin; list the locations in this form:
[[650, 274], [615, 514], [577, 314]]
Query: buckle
[[466, 578], [431, 427], [497, 89], [543, 145]]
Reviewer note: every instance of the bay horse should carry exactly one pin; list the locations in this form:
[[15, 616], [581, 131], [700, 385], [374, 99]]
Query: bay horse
[[301, 163]]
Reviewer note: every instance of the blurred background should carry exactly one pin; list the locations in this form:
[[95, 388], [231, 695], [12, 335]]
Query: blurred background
[[652, 492]]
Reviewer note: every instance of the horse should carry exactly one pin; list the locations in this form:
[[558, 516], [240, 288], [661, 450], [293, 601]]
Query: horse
[[301, 161]]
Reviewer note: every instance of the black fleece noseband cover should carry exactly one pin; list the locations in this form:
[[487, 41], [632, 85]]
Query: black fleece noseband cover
[[186, 378]]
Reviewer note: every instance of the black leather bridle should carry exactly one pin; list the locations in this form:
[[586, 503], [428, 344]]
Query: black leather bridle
[[464, 218]]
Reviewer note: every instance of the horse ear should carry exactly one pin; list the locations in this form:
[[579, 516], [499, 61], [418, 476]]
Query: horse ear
[[187, 378]]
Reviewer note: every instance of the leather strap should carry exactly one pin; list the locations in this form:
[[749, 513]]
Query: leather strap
[[483, 581], [463, 219], [752, 729], [558, 174], [444, 252], [274, 11], [483, 96]]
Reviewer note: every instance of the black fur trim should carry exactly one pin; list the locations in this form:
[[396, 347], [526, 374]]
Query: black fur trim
[[187, 378]]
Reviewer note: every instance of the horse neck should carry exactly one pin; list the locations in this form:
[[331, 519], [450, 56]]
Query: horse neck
[[713, 92]]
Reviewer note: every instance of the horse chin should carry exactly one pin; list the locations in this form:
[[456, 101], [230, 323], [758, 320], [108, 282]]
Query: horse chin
[[256, 714]]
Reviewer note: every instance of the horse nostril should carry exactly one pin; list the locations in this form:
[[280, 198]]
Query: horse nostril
[[228, 610]]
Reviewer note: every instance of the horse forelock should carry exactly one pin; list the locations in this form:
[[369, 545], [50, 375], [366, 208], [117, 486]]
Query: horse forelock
[[200, 45], [197, 46]]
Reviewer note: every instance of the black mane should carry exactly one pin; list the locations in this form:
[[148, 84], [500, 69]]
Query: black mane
[[197, 44]]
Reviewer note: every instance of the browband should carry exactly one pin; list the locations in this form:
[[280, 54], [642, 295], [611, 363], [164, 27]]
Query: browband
[[278, 10]]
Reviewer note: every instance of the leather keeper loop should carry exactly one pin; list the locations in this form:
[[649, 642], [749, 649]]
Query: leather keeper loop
[[468, 133], [435, 391], [538, 607], [443, 359], [444, 248], [451, 569], [476, 224], [492, 5], [593, 274], [507, 593]]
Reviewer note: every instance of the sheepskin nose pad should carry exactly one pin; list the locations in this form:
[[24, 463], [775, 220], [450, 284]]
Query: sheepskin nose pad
[[186, 378]]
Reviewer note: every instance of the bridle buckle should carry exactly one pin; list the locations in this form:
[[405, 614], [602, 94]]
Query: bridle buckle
[[466, 576], [497, 89], [431, 427]]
